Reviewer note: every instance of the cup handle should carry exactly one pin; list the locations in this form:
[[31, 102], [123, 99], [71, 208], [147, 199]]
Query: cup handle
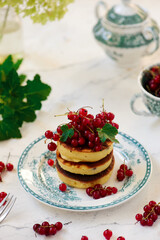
[[149, 34], [99, 5], [133, 108]]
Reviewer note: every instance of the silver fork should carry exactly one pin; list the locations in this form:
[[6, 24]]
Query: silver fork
[[6, 208]]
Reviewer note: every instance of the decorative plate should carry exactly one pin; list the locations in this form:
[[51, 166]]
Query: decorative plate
[[42, 182]]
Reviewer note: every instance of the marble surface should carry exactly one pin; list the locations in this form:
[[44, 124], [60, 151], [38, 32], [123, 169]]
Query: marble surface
[[67, 57]]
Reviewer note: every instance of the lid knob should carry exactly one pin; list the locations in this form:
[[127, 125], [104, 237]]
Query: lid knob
[[126, 2]]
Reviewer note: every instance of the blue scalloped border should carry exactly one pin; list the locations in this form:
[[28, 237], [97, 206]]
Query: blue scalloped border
[[86, 208]]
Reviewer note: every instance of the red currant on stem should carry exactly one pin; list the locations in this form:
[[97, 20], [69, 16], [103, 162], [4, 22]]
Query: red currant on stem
[[9, 167], [52, 146], [58, 225], [49, 134]]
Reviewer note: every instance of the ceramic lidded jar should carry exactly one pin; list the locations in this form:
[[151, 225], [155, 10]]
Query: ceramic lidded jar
[[126, 32]]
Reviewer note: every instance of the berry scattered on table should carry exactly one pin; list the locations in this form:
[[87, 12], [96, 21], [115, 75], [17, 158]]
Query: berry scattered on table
[[9, 167], [84, 238], [98, 191], [120, 238], [150, 214], [107, 234], [47, 229], [123, 172], [2, 196]]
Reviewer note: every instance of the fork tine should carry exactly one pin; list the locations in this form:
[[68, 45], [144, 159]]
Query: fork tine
[[5, 206], [1, 204], [4, 215]]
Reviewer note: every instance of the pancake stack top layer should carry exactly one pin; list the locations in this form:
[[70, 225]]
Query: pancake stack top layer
[[85, 148]]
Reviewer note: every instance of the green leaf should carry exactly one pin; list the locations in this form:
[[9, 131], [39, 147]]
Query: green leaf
[[18, 103], [107, 132], [35, 91], [67, 132], [9, 129]]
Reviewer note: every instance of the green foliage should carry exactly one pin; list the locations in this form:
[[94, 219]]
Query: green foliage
[[18, 102], [107, 132], [67, 132], [39, 11]]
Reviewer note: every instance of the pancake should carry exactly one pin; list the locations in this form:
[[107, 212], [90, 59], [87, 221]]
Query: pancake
[[84, 181], [70, 153], [85, 168]]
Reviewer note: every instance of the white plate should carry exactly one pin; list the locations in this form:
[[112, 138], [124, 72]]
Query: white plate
[[42, 182]]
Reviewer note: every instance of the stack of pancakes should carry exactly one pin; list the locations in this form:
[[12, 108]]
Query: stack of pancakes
[[83, 167]]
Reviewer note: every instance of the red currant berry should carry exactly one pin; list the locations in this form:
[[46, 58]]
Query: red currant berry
[[70, 115], [147, 208], [138, 217], [157, 209], [120, 176], [120, 238], [52, 146], [74, 142], [50, 162], [75, 135], [2, 164], [59, 130], [49, 134], [103, 192], [110, 116], [90, 144], [123, 167], [62, 187], [41, 230], [84, 238], [97, 186], [107, 234], [81, 141], [3, 194], [98, 148], [96, 194], [55, 137], [89, 191], [114, 190], [83, 112], [115, 125], [9, 166], [58, 225], [129, 172], [152, 203], [90, 116], [46, 224], [52, 230], [149, 222], [154, 217], [36, 226], [97, 140], [143, 222], [97, 122]]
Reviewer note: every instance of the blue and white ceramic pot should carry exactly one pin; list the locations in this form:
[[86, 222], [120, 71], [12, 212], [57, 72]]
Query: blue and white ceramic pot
[[126, 32]]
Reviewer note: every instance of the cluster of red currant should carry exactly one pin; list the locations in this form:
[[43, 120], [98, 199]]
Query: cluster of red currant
[[85, 129], [98, 191], [123, 171], [153, 83], [3, 167], [2, 196], [47, 229], [150, 215], [108, 234]]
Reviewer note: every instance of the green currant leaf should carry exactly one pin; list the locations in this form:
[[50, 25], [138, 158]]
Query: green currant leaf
[[9, 129], [107, 132], [67, 132]]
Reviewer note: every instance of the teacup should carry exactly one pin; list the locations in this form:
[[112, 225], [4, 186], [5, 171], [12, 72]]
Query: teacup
[[151, 102]]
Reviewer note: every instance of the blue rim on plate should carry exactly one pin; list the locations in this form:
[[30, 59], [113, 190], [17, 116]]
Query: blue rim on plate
[[41, 181]]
